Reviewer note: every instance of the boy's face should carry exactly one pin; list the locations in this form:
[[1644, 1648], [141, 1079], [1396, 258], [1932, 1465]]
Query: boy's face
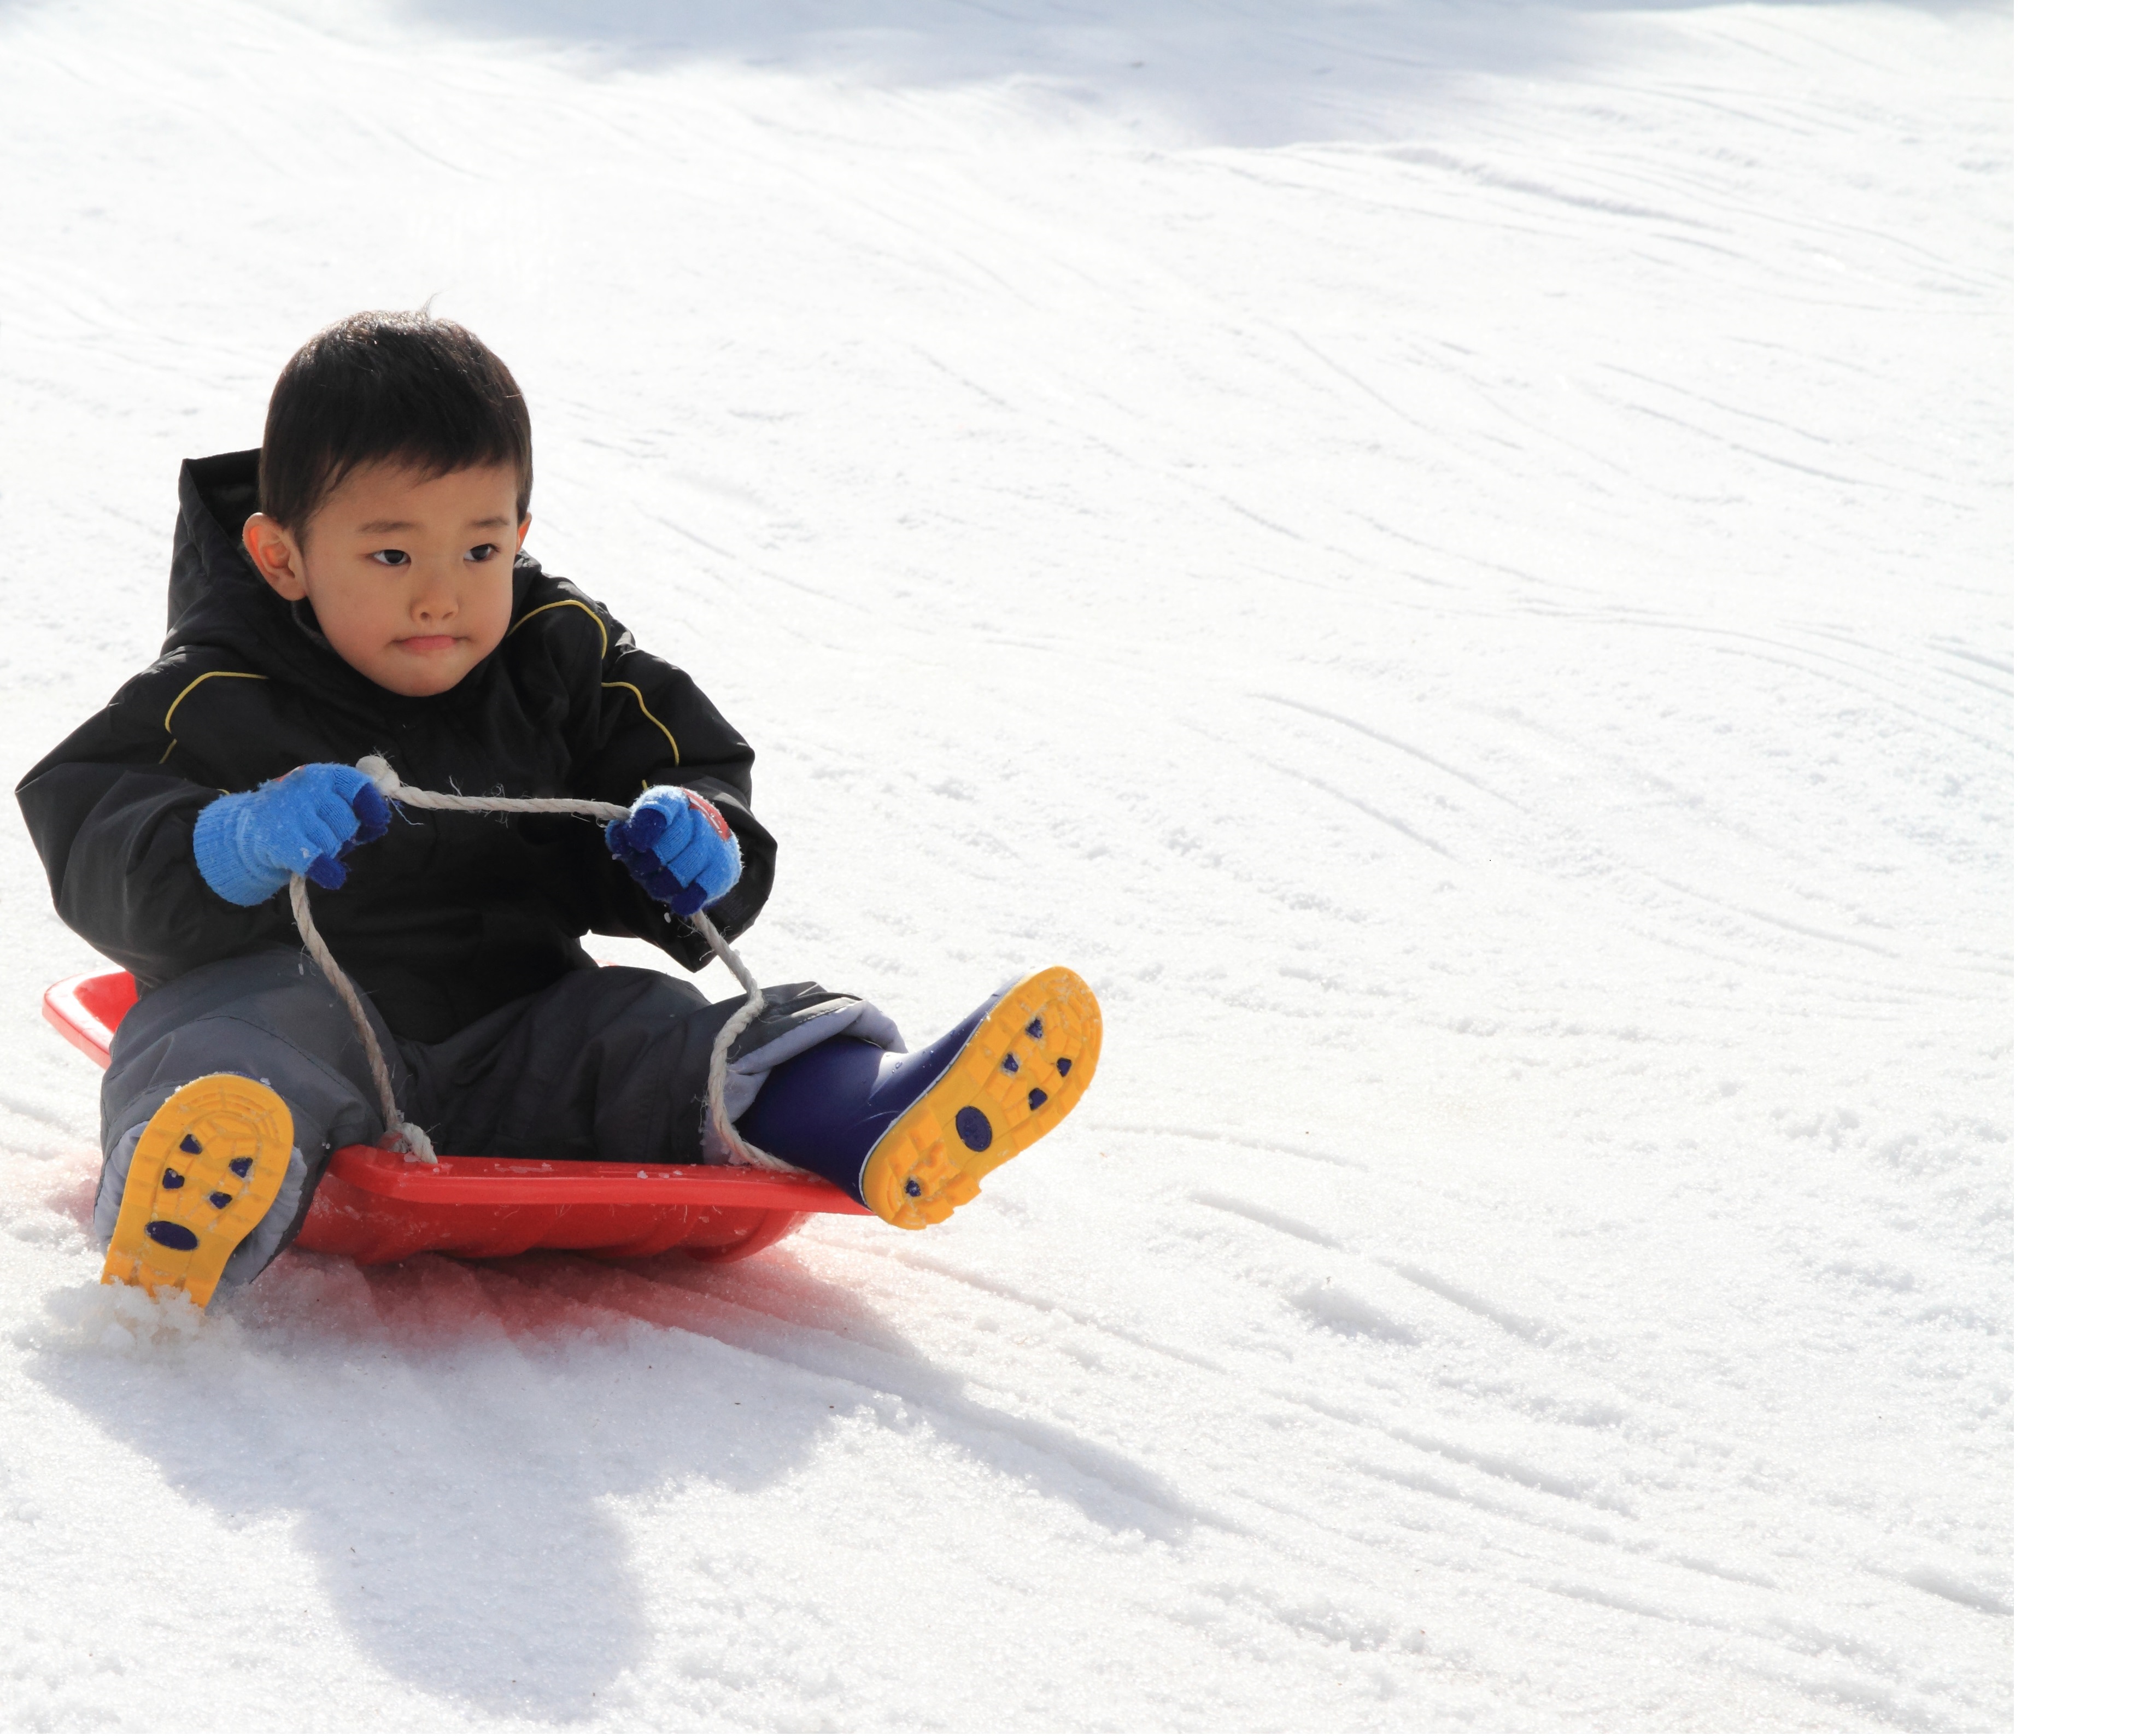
[[409, 579]]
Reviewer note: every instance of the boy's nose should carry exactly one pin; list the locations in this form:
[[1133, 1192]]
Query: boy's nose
[[436, 600]]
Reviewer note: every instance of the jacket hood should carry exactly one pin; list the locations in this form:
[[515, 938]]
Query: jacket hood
[[215, 597]]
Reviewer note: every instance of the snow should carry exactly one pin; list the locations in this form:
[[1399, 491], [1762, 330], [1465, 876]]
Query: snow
[[1453, 559]]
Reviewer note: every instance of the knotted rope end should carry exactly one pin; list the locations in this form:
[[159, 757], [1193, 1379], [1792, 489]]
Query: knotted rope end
[[378, 771], [412, 1140]]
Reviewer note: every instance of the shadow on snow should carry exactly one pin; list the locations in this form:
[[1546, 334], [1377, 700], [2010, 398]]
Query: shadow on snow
[[1236, 72], [450, 1437]]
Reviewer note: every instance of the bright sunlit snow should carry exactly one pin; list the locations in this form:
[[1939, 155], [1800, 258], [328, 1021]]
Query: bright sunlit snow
[[1452, 559]]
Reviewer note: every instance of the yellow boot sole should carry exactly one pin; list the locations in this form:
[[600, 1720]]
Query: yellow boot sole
[[1018, 1075], [205, 1172]]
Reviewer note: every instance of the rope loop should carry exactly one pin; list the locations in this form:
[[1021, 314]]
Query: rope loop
[[401, 1135]]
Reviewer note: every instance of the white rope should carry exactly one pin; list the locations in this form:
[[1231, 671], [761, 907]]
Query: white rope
[[413, 1140], [418, 1149]]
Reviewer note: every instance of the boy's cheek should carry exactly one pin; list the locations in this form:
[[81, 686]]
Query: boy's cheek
[[490, 624]]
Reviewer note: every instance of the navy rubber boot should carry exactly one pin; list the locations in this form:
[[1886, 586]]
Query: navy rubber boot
[[825, 1109], [910, 1136]]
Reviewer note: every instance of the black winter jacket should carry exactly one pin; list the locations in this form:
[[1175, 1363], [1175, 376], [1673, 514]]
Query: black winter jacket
[[450, 915]]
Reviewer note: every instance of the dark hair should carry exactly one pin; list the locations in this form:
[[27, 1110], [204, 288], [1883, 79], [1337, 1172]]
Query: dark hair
[[403, 387]]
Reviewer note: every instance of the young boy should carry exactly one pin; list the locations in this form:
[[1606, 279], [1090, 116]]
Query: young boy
[[359, 587]]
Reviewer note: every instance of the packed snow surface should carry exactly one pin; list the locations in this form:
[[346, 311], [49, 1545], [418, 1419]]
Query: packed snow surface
[[1452, 558]]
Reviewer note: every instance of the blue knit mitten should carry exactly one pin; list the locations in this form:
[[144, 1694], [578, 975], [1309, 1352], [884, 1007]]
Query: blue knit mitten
[[247, 846], [678, 847]]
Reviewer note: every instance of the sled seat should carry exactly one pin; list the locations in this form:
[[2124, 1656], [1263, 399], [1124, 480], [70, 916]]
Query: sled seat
[[376, 1206]]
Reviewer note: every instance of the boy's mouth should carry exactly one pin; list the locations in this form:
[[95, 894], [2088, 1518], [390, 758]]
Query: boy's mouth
[[425, 643]]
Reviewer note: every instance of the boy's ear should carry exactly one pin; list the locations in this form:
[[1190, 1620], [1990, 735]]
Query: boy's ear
[[276, 556], [523, 531]]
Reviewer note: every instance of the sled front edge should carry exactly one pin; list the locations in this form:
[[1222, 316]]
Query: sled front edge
[[88, 1008], [376, 1205]]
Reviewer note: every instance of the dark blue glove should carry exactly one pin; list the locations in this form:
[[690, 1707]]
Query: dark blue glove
[[678, 847], [249, 844]]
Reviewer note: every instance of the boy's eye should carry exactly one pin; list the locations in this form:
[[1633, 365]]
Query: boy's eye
[[482, 550], [391, 557]]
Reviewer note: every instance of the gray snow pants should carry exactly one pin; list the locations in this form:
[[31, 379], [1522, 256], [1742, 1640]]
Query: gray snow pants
[[608, 1064]]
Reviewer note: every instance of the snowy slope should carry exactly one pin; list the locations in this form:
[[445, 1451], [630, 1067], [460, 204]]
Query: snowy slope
[[1452, 558]]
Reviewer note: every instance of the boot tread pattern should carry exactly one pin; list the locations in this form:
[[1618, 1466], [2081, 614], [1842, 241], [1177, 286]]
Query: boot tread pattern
[[1030, 1060], [204, 1173]]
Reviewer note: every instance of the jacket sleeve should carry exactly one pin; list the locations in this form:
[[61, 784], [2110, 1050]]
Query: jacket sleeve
[[112, 818], [654, 724]]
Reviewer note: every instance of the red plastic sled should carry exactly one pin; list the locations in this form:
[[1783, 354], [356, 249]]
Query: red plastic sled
[[376, 1206]]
